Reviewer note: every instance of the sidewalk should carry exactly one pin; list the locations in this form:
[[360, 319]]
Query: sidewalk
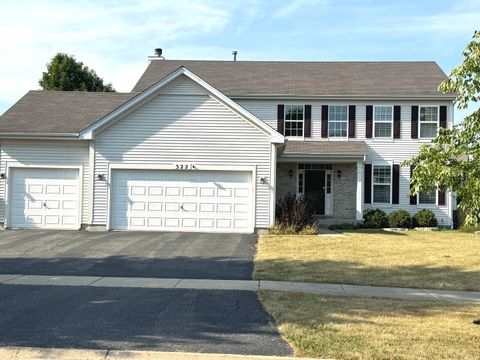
[[27, 353], [245, 285]]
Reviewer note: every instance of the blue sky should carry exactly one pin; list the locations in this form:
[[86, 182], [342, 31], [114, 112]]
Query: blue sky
[[115, 37]]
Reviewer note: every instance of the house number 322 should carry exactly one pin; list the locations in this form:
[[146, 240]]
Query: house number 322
[[184, 166]]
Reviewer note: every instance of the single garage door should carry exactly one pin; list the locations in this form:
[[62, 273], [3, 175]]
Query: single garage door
[[182, 200], [44, 198]]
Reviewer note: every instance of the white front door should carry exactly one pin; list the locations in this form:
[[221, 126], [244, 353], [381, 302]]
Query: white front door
[[44, 198], [189, 200]]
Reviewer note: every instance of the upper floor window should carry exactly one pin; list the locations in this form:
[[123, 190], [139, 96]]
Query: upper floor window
[[427, 197], [294, 120], [428, 121], [383, 118], [337, 121], [382, 179]]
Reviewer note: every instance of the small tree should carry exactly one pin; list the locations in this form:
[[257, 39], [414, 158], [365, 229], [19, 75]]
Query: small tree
[[65, 73], [453, 159]]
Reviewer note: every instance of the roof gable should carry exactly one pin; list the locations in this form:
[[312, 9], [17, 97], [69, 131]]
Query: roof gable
[[156, 88], [308, 79]]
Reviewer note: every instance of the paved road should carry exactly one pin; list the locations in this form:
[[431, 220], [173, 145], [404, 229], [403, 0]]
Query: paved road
[[135, 318], [134, 254]]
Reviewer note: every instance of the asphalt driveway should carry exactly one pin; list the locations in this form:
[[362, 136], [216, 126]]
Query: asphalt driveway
[[137, 319], [132, 254]]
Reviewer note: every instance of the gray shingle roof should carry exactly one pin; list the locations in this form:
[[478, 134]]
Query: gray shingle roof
[[58, 112], [307, 78], [325, 148]]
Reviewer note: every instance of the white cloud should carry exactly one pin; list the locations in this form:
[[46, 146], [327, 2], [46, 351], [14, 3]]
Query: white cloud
[[113, 38]]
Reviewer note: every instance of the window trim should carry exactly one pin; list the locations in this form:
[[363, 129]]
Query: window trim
[[382, 121], [285, 121], [387, 163], [346, 121], [427, 122], [419, 204]]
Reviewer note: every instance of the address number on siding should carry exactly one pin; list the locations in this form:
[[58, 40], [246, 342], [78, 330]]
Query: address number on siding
[[184, 166]]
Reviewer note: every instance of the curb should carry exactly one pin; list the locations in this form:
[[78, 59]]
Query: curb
[[31, 353]]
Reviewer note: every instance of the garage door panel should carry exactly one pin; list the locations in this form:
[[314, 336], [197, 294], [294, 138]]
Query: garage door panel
[[181, 200], [44, 198]]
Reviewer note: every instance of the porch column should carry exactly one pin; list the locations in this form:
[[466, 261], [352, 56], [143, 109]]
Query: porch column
[[359, 198]]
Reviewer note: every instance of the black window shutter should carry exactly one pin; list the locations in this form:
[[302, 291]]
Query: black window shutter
[[396, 121], [396, 184], [369, 122], [324, 121], [367, 191], [443, 117], [441, 197], [280, 118], [351, 121], [414, 124], [308, 121], [413, 198]]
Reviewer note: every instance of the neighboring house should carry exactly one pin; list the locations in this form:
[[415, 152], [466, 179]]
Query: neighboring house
[[212, 145]]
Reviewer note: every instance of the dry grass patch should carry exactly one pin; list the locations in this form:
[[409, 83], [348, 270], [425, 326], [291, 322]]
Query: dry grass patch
[[441, 260], [347, 328]]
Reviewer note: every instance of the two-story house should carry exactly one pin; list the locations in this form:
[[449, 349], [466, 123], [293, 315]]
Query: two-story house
[[212, 145]]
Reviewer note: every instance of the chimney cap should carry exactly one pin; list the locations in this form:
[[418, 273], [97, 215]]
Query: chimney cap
[[158, 52]]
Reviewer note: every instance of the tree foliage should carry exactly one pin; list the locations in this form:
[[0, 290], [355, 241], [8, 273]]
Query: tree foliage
[[452, 160], [65, 73]]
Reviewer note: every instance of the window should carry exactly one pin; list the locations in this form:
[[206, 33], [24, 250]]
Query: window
[[293, 120], [428, 121], [382, 178], [329, 183], [300, 182], [427, 197], [337, 121], [383, 117]]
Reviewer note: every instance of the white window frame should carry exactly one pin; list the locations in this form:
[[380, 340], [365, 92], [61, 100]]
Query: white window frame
[[329, 112], [390, 164], [382, 121], [302, 174], [285, 122], [427, 122], [422, 205]]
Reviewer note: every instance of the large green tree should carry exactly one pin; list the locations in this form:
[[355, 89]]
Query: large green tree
[[65, 73], [452, 160]]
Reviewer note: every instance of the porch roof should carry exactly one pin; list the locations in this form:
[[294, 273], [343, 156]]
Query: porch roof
[[341, 150]]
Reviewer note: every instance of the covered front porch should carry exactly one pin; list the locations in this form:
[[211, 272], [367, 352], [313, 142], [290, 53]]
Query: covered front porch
[[328, 173]]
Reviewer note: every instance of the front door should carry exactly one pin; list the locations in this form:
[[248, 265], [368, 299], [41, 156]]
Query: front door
[[315, 189]]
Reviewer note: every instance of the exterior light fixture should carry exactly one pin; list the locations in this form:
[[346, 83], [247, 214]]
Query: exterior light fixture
[[290, 173], [339, 173], [3, 176], [263, 180], [100, 177]]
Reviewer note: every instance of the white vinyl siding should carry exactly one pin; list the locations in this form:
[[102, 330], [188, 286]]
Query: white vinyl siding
[[379, 149], [184, 128], [46, 153]]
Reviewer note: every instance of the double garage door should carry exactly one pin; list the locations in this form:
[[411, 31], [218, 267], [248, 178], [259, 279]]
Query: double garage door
[[44, 198], [182, 200]]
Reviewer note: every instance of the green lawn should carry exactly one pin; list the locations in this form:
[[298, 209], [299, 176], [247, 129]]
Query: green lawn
[[349, 328], [441, 260]]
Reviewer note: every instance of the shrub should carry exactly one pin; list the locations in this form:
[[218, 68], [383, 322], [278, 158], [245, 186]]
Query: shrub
[[309, 230], [399, 219], [425, 218], [295, 213], [375, 219]]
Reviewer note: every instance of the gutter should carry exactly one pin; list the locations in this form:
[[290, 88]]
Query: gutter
[[25, 135], [343, 97]]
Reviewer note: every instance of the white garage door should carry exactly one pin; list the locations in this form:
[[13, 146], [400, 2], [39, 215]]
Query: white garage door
[[44, 198], [182, 200]]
